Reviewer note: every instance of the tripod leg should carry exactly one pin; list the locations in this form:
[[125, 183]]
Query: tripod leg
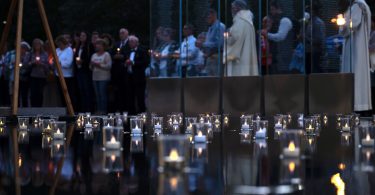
[[9, 20]]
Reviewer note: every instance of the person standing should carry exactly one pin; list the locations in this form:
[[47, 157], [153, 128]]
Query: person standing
[[82, 60], [65, 57], [356, 59], [101, 64], [136, 62], [119, 72], [280, 37], [212, 47], [240, 53], [39, 71], [24, 75]]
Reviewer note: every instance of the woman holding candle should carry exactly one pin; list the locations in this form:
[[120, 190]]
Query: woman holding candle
[[39, 72], [82, 61], [100, 65]]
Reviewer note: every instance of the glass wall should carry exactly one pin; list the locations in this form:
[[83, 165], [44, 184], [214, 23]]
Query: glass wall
[[212, 38]]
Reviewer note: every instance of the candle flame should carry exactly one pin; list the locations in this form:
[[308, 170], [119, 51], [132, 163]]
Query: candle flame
[[368, 138], [113, 139], [310, 141], [173, 183], [113, 158], [291, 147], [292, 166], [200, 150], [338, 183], [200, 133], [342, 166], [58, 131], [173, 155], [19, 160]]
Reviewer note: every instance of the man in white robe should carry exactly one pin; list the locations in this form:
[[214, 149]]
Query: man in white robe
[[240, 54], [356, 53]]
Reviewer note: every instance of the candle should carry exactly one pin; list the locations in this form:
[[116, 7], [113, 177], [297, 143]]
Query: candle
[[291, 150], [78, 59], [200, 138], [217, 121], [136, 130], [201, 120], [175, 122], [1, 123], [245, 126], [48, 128], [189, 128], [261, 133], [278, 125], [118, 50], [368, 141], [23, 126], [113, 143], [88, 125], [58, 135], [310, 129], [173, 157], [37, 58], [226, 120], [346, 127], [157, 126], [300, 118], [292, 166]]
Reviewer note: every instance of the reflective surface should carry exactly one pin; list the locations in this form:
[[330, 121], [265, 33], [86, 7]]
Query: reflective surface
[[231, 163]]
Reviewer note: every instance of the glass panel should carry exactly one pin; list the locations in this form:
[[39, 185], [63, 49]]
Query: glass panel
[[165, 37], [283, 31]]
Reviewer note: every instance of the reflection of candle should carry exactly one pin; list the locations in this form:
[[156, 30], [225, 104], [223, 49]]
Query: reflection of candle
[[292, 166], [88, 125], [173, 157], [113, 143], [199, 138], [48, 128], [58, 135], [261, 133], [217, 121], [157, 126], [136, 130], [113, 158], [291, 151], [190, 127], [1, 123], [346, 127], [368, 141], [309, 129]]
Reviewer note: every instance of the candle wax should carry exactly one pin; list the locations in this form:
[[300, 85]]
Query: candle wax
[[200, 137], [368, 141], [58, 135], [173, 157], [261, 133], [113, 144]]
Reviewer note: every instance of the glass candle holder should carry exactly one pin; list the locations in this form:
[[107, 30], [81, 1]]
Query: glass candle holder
[[246, 122], [112, 138], [136, 126], [356, 119], [136, 144], [257, 117], [95, 121], [2, 121], [200, 151], [112, 161], [189, 122], [300, 116], [59, 129], [58, 147], [338, 118], [367, 136], [109, 121], [367, 155], [291, 171], [23, 123], [119, 120], [173, 152], [80, 119], [36, 120], [345, 124], [291, 143], [346, 138], [88, 134], [175, 119], [245, 137], [157, 123], [216, 119], [280, 121], [310, 126], [226, 119], [125, 116], [261, 129], [200, 132], [47, 125], [87, 122], [143, 116], [205, 118]]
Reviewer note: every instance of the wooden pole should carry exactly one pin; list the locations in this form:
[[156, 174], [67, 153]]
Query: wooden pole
[[57, 62], [18, 58], [5, 34], [17, 178]]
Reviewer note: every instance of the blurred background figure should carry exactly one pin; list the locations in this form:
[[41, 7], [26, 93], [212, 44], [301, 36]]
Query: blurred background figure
[[100, 65], [39, 72], [240, 53], [201, 67], [4, 77], [25, 69], [213, 44]]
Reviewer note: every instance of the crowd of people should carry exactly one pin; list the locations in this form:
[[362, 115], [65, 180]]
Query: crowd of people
[[98, 70], [90, 66]]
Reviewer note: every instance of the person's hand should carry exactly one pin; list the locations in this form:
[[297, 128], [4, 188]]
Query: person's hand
[[264, 32]]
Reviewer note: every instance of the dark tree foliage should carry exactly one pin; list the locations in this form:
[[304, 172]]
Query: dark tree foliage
[[68, 16]]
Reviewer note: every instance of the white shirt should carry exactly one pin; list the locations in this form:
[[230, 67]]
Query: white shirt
[[66, 60], [163, 62], [285, 26], [188, 51]]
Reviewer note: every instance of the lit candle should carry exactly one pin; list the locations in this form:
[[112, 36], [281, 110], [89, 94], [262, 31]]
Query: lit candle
[[136, 130], [368, 141], [58, 135], [291, 150], [346, 127], [37, 58], [1, 123], [278, 125], [340, 21], [261, 133], [113, 143], [309, 129], [300, 118], [173, 157], [48, 128], [175, 122], [23, 126], [78, 59], [200, 138], [189, 128], [217, 121], [292, 166], [226, 120], [118, 50], [245, 126]]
